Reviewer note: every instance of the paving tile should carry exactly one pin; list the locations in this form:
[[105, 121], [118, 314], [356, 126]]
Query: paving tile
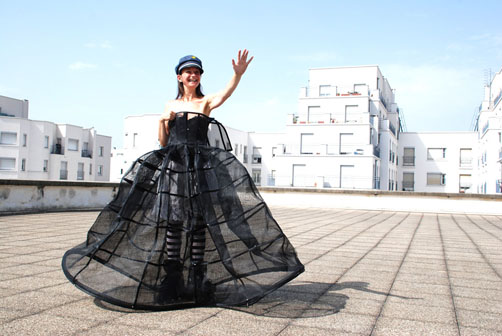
[[423, 313], [387, 326], [480, 305], [476, 319], [44, 324], [344, 322], [308, 331]]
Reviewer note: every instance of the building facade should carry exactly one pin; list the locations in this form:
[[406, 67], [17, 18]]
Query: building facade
[[347, 134], [42, 150]]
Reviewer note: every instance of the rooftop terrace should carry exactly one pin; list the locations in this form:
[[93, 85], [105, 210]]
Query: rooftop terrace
[[368, 272]]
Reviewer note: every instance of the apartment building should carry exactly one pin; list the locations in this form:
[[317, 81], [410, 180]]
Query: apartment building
[[489, 158], [43, 150], [347, 134]]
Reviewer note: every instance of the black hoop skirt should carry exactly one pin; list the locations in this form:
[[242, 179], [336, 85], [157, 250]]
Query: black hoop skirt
[[193, 180]]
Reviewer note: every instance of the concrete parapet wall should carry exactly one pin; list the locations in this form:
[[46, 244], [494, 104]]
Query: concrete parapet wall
[[383, 200], [19, 196]]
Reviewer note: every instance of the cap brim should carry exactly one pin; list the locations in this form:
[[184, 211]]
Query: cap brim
[[190, 65]]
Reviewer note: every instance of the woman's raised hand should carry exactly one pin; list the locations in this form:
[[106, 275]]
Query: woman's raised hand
[[242, 63]]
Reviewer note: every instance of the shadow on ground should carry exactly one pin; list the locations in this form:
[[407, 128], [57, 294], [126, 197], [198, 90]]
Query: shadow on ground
[[294, 300]]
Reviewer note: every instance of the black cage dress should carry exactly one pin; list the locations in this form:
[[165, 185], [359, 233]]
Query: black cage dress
[[195, 190]]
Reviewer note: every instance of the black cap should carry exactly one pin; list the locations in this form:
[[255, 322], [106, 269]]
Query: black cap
[[187, 62]]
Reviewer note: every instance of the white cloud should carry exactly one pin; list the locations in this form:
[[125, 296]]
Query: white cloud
[[81, 66]]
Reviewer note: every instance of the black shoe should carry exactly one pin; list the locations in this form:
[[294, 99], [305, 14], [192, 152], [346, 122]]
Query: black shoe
[[171, 286], [198, 286]]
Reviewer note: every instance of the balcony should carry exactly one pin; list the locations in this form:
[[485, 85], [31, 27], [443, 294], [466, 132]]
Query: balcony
[[57, 149], [323, 91], [86, 153], [256, 159]]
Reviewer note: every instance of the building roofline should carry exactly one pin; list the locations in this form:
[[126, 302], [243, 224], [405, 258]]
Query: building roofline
[[347, 67], [22, 100]]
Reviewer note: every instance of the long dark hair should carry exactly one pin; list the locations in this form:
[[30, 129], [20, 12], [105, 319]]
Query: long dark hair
[[181, 91]]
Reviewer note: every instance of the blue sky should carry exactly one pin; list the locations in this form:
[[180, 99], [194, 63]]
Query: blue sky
[[91, 63]]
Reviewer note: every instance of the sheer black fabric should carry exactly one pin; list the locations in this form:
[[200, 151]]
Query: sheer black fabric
[[187, 227]]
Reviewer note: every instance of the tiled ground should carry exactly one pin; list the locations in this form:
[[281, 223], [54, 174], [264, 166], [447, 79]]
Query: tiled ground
[[367, 273]]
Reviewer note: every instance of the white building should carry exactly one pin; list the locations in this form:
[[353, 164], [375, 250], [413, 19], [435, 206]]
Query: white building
[[42, 150], [347, 134], [344, 135], [438, 161], [490, 138]]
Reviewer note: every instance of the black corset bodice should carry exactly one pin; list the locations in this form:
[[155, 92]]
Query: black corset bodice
[[189, 128], [193, 128]]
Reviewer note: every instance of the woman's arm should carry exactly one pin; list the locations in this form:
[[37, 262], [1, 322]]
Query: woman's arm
[[240, 67]]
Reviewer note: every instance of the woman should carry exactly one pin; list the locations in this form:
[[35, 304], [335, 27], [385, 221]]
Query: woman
[[188, 226]]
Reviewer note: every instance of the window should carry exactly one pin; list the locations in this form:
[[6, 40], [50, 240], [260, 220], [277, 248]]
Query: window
[[46, 165], [360, 88], [7, 163], [408, 181], [80, 171], [46, 141], [436, 179], [245, 157], [324, 90], [134, 137], [345, 143], [351, 113], [465, 182], [23, 164], [436, 153], [8, 138], [25, 139], [314, 114], [465, 157], [73, 144], [274, 151], [271, 181], [409, 156], [257, 176], [306, 146], [256, 155], [101, 150], [63, 171], [90, 168], [100, 170]]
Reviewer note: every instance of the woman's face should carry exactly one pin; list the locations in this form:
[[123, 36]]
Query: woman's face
[[190, 77]]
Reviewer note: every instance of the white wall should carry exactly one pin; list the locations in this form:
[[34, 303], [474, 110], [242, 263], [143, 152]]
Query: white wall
[[14, 107], [450, 165]]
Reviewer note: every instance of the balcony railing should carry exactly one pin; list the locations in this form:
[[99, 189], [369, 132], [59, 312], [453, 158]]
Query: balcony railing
[[86, 153], [408, 160], [57, 149], [466, 163], [408, 185], [256, 158]]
